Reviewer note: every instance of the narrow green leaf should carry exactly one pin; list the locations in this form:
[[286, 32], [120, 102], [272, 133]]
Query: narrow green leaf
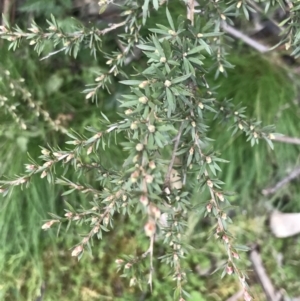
[[130, 82], [170, 20], [155, 4], [196, 50], [181, 78], [145, 11]]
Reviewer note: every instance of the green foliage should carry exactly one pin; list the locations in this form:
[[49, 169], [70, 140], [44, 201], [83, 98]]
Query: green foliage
[[164, 128]]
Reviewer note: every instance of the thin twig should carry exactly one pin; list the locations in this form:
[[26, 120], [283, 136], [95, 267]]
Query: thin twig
[[151, 262], [191, 10], [177, 140], [287, 139], [53, 53], [247, 40], [293, 175], [6, 9], [112, 27]]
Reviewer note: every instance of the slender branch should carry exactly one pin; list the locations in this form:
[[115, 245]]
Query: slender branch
[[112, 27], [294, 174], [191, 10], [177, 140], [53, 53], [286, 139], [6, 9], [239, 35], [150, 250]]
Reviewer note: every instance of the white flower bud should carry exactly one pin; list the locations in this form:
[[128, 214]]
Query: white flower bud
[[128, 112], [151, 128], [134, 125], [152, 164], [200, 105], [143, 84], [139, 147], [167, 83], [208, 159], [143, 99]]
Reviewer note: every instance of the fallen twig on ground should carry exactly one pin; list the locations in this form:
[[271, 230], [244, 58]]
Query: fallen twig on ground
[[269, 289], [291, 176]]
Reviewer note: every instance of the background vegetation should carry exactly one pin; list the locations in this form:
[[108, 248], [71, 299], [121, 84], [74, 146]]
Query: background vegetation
[[34, 262]]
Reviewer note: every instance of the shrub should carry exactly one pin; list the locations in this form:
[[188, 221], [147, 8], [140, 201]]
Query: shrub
[[163, 129]]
